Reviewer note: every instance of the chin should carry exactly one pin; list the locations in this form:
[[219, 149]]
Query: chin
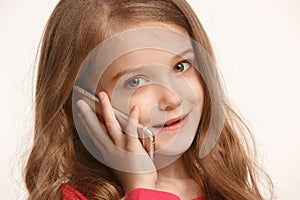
[[174, 148], [180, 142]]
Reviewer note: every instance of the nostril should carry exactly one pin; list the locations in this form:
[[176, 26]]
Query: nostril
[[170, 103], [168, 107], [167, 97]]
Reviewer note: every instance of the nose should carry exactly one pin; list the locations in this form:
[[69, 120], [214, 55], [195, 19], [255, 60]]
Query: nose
[[168, 100]]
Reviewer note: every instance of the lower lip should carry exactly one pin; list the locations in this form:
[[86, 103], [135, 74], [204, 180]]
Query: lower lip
[[175, 127]]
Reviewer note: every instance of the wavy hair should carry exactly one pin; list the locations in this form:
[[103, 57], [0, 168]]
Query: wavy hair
[[74, 28]]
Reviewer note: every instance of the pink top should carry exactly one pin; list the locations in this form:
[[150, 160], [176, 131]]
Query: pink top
[[70, 193]]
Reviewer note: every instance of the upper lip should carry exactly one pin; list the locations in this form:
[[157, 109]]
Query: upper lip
[[175, 119]]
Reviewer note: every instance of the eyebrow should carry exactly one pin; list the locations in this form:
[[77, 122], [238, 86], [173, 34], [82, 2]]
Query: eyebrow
[[125, 71]]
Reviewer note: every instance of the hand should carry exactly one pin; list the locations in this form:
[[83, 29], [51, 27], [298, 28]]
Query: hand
[[124, 153]]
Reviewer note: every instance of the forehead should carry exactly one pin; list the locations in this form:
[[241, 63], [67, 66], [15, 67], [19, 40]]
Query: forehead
[[142, 57], [148, 56]]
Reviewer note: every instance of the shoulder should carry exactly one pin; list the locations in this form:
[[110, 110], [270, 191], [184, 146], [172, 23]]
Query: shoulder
[[147, 194], [69, 193]]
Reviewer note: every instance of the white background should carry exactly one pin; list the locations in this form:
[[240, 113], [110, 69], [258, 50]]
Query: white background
[[257, 45]]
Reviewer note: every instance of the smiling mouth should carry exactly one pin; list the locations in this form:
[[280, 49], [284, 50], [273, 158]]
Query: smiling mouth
[[173, 124]]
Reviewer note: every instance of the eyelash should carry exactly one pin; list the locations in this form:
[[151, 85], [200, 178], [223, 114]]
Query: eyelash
[[136, 77], [127, 83], [184, 61]]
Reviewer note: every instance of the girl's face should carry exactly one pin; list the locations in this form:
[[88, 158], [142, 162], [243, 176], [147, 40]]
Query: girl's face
[[167, 88]]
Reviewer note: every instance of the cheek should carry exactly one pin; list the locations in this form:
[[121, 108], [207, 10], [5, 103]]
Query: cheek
[[199, 93], [144, 98], [197, 88]]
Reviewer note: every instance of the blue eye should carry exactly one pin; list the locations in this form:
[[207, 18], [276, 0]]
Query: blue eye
[[136, 82], [181, 66]]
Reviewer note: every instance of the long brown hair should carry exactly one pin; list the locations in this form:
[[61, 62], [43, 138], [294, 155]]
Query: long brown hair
[[73, 30]]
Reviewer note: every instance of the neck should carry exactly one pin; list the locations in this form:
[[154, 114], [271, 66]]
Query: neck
[[173, 171], [174, 179]]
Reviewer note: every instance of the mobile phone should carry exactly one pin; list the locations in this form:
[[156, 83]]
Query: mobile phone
[[120, 117]]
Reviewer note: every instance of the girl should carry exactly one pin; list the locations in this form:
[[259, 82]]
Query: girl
[[201, 147]]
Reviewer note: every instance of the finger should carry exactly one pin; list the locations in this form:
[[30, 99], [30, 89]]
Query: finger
[[100, 143], [133, 144], [92, 124], [110, 121]]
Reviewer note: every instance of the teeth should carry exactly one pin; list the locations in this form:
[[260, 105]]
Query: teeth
[[168, 124]]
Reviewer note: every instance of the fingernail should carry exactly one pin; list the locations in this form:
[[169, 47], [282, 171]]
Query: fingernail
[[101, 95], [79, 104], [135, 108]]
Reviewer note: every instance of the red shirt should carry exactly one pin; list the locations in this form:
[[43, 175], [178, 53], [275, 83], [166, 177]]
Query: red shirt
[[70, 193]]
